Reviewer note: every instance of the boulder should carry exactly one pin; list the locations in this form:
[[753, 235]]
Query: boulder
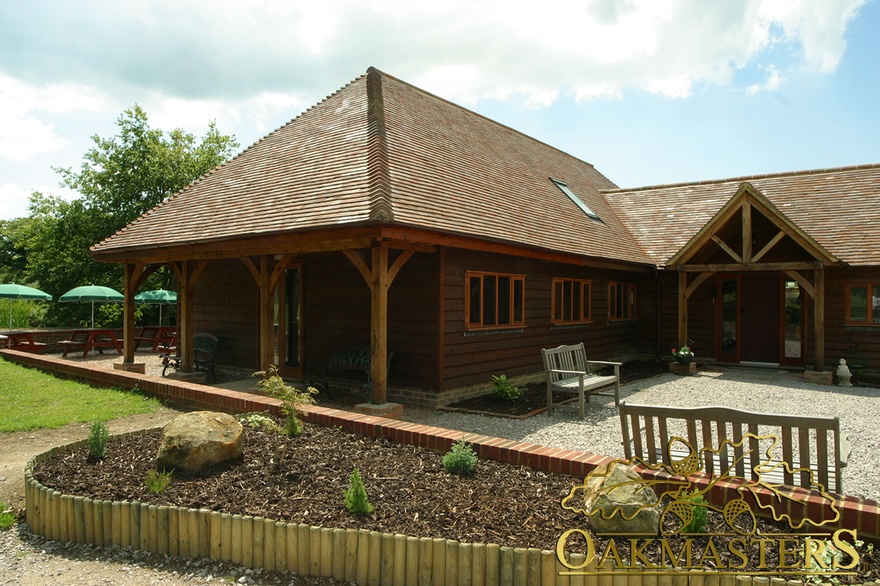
[[192, 441], [623, 496]]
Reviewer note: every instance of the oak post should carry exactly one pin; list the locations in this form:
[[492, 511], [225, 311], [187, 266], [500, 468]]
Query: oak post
[[379, 323], [682, 309]]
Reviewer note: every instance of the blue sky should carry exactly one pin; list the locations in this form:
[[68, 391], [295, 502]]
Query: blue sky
[[650, 92]]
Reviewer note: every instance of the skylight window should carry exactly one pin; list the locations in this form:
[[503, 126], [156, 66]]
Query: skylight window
[[578, 201]]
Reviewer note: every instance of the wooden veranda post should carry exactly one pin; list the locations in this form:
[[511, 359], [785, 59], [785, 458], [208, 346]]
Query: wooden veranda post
[[267, 278], [379, 324], [682, 308], [379, 277], [129, 288], [819, 319]]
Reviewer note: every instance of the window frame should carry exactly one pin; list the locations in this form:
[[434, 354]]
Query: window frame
[[586, 301], [871, 290], [629, 292], [511, 297]]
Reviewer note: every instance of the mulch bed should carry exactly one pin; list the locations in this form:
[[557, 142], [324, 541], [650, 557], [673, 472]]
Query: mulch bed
[[302, 480]]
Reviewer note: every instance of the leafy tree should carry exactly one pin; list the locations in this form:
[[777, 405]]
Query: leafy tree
[[120, 178]]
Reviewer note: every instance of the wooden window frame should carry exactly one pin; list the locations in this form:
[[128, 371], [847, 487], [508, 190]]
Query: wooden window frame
[[629, 311], [557, 315], [871, 289], [472, 324]]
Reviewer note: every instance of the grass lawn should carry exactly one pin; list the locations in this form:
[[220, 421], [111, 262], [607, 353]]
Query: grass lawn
[[32, 399]]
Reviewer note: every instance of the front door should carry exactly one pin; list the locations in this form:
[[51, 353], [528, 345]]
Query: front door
[[760, 318]]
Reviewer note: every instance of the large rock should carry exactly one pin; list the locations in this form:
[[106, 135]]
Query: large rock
[[195, 440], [622, 495]]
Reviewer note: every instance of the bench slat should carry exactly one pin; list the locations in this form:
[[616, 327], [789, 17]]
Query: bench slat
[[806, 443]]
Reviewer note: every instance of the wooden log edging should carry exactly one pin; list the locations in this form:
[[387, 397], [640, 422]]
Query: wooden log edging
[[353, 555]]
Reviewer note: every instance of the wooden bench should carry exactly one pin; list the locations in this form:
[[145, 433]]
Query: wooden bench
[[353, 359], [24, 342], [804, 443], [567, 370], [204, 349]]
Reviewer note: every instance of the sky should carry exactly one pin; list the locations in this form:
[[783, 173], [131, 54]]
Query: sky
[[650, 92]]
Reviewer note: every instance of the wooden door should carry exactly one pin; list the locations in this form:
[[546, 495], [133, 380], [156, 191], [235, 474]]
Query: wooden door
[[760, 318]]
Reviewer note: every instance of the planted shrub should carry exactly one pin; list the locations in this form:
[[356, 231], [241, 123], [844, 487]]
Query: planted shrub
[[700, 513], [98, 438], [504, 389], [356, 495], [461, 459], [292, 399], [157, 481]]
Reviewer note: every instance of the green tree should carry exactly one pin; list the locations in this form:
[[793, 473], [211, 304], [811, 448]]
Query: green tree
[[120, 178]]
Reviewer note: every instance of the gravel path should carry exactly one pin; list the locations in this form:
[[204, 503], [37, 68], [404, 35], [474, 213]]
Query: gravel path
[[774, 391], [27, 559]]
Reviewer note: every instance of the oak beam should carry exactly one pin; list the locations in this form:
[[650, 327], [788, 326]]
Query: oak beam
[[697, 282], [747, 231], [819, 319], [773, 242], [723, 246], [682, 308], [379, 285], [770, 266]]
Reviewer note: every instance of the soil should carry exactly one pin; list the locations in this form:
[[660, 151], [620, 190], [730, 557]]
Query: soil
[[302, 480]]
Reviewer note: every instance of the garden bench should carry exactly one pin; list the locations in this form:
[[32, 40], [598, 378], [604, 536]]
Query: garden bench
[[567, 370], [204, 349], [351, 358], [804, 443]]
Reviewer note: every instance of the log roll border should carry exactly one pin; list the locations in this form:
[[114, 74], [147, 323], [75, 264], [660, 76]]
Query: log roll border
[[352, 555]]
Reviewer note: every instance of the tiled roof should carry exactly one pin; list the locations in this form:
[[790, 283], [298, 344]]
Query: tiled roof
[[382, 151], [835, 207]]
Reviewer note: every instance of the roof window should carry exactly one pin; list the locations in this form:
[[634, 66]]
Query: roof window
[[578, 201]]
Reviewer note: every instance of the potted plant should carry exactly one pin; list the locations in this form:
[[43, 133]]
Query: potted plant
[[683, 355]]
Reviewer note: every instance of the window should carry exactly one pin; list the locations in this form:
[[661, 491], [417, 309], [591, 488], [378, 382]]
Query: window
[[863, 305], [562, 185], [495, 300], [621, 301], [571, 301]]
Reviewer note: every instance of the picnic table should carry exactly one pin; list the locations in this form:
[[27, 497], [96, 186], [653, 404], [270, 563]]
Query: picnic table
[[24, 342], [156, 336], [91, 339]]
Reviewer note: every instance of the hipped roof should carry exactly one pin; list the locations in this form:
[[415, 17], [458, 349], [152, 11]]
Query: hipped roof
[[382, 152], [835, 207]]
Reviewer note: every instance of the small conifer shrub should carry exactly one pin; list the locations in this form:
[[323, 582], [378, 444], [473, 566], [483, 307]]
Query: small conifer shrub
[[98, 438], [356, 495], [461, 459]]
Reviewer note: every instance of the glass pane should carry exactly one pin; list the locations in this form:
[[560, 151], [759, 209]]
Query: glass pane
[[792, 319], [585, 312], [489, 301], [504, 301], [576, 302], [557, 300], [566, 308], [858, 304], [518, 296], [474, 290], [875, 303], [728, 317]]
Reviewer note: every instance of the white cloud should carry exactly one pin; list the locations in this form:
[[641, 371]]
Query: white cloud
[[25, 128]]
